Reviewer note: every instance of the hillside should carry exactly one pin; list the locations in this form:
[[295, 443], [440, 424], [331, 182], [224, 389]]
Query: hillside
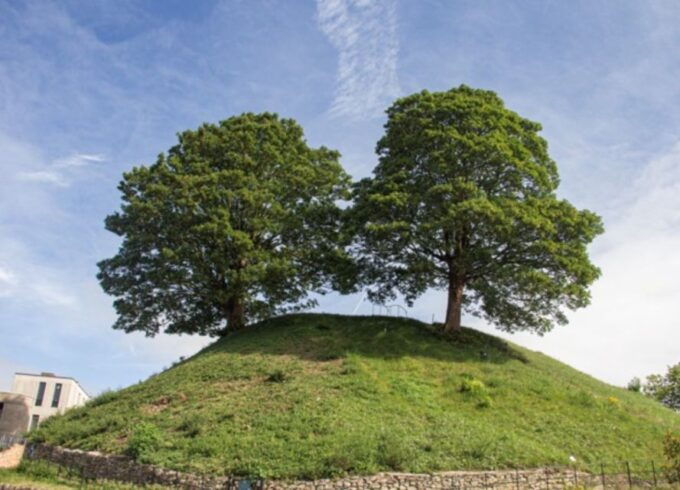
[[317, 395]]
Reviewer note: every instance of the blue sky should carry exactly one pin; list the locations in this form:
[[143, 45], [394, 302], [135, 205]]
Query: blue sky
[[90, 88]]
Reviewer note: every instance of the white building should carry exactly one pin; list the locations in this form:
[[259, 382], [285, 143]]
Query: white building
[[44, 395]]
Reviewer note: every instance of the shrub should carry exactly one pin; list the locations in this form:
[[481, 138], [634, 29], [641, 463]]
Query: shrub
[[191, 427], [477, 390], [105, 397], [38, 469], [144, 442], [634, 385], [473, 386], [277, 376], [671, 448], [394, 453], [355, 454]]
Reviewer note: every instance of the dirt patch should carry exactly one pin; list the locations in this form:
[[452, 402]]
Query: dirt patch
[[162, 403], [11, 457]]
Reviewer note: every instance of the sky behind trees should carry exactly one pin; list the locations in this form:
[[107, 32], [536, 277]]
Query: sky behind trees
[[89, 89]]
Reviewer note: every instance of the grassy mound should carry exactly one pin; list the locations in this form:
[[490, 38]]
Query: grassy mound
[[307, 396]]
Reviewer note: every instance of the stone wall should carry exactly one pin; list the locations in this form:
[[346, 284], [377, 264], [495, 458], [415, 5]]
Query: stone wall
[[14, 416], [93, 465]]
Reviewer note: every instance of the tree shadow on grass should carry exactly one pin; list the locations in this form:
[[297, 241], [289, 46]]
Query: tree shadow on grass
[[324, 337]]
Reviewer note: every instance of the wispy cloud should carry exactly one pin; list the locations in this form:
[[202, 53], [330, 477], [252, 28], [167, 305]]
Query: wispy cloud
[[61, 170], [365, 34], [44, 176], [52, 295], [7, 281], [78, 160]]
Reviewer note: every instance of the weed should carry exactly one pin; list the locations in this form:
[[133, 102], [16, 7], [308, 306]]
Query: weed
[[671, 449], [277, 376], [144, 442], [394, 453], [191, 427]]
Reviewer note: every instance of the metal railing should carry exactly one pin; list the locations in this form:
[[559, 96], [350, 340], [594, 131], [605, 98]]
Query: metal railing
[[388, 310], [7, 440]]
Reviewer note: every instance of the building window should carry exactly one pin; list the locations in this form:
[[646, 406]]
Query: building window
[[41, 394], [34, 421], [2, 406], [57, 394]]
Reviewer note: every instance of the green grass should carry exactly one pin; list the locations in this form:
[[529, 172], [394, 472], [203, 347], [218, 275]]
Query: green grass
[[309, 396], [41, 475]]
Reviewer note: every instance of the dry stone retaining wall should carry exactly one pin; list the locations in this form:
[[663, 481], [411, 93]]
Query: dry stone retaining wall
[[94, 465]]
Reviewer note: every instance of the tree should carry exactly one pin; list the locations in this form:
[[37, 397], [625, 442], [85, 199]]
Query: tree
[[463, 199], [665, 388], [634, 385], [237, 222]]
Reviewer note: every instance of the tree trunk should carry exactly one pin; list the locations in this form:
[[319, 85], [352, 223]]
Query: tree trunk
[[235, 314], [454, 305]]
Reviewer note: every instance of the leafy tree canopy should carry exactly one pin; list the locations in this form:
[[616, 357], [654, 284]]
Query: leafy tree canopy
[[236, 222], [463, 199], [665, 387]]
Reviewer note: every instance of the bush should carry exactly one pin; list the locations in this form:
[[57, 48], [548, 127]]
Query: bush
[[671, 448], [354, 455], [277, 376], [144, 442], [393, 453], [477, 390], [104, 398], [191, 427], [473, 386], [634, 385]]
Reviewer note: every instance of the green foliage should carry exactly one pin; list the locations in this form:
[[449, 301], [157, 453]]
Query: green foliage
[[144, 442], [277, 376], [477, 390], [634, 385], [191, 426], [473, 386], [665, 388], [235, 223], [394, 452], [671, 448], [464, 199], [40, 474], [391, 401], [103, 398]]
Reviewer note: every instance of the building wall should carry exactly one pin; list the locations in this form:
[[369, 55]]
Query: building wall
[[72, 395], [15, 416]]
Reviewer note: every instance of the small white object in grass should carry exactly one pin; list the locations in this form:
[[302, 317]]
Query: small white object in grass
[[572, 459]]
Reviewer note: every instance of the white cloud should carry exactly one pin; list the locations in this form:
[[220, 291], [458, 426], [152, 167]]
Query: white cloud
[[44, 176], [62, 170], [365, 34], [52, 295], [7, 282], [78, 160]]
